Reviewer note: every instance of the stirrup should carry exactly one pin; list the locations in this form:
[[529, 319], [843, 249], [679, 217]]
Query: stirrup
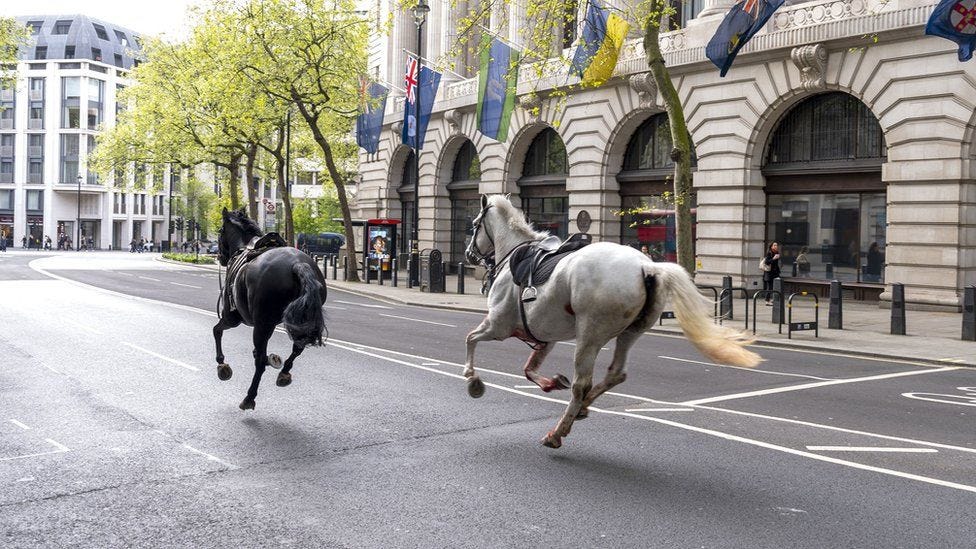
[[529, 294]]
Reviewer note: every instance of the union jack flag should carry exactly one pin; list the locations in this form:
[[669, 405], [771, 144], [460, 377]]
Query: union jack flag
[[410, 79]]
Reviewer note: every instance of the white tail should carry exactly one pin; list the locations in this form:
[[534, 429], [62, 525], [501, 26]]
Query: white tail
[[720, 344]]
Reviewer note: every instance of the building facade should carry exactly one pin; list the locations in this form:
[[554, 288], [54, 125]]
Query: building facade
[[842, 132], [68, 79]]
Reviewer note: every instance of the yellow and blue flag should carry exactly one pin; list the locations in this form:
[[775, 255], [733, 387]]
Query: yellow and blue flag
[[497, 84], [956, 21], [603, 36], [743, 21], [372, 108]]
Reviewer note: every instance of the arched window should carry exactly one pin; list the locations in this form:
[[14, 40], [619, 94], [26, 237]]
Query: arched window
[[646, 187], [826, 202], [408, 200], [465, 201], [543, 184]]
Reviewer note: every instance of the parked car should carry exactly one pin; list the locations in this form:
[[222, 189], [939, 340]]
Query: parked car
[[212, 248], [320, 244]]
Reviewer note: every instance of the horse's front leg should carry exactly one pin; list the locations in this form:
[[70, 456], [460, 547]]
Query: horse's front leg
[[224, 371], [532, 374], [476, 387], [262, 333], [582, 383], [284, 376]]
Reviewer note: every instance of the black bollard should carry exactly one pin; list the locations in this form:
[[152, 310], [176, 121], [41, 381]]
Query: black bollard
[[460, 286], [393, 266], [725, 307], [366, 271], [897, 309], [345, 267], [444, 265], [969, 314], [835, 316], [409, 270], [335, 267], [379, 270], [830, 271], [778, 316]]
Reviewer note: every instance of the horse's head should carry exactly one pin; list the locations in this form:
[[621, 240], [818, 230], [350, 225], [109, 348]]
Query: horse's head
[[482, 245], [236, 231]]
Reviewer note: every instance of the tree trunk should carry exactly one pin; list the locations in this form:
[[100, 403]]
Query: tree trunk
[[250, 154], [681, 154], [234, 167], [285, 199], [323, 143]]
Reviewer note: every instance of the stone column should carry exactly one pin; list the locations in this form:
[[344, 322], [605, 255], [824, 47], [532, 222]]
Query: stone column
[[714, 7]]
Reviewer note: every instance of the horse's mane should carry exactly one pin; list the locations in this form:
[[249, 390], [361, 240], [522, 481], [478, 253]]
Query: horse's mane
[[515, 217], [244, 222]]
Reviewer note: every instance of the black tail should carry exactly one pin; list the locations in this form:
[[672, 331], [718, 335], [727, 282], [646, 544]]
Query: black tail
[[639, 325], [303, 317]]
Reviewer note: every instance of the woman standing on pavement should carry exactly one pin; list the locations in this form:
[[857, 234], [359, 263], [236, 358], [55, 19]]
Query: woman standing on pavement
[[770, 267]]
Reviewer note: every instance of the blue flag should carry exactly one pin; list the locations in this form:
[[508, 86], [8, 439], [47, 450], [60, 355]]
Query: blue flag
[[497, 83], [426, 83], [956, 21], [372, 99], [742, 22]]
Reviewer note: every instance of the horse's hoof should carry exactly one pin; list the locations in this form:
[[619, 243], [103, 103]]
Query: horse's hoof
[[583, 413], [224, 372], [247, 404], [551, 440], [284, 379], [274, 361], [476, 387], [559, 381]]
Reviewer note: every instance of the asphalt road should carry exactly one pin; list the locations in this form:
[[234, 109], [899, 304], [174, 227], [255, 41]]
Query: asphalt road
[[114, 431]]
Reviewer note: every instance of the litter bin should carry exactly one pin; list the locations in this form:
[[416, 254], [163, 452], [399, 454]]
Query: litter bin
[[431, 271]]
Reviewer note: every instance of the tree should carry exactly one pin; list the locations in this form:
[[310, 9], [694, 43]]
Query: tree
[[13, 35]]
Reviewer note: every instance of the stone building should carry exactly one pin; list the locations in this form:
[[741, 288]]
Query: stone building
[[841, 131]]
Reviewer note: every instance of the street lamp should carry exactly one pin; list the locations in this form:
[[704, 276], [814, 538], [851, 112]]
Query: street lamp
[[420, 11], [78, 220]]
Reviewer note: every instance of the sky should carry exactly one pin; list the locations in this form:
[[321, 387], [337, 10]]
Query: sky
[[143, 16]]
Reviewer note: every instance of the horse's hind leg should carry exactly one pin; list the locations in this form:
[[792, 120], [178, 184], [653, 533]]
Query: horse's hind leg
[[615, 375], [582, 382], [532, 374], [224, 371], [261, 336], [284, 376]]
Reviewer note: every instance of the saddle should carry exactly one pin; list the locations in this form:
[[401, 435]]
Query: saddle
[[257, 246], [533, 264]]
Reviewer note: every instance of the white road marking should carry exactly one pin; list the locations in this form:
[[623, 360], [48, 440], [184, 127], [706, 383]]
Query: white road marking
[[211, 457], [757, 370], [418, 320], [525, 386], [186, 285], [968, 399], [123, 274], [25, 479], [19, 424], [791, 388], [56, 444], [150, 278], [574, 345], [660, 410], [871, 449], [361, 304], [166, 358]]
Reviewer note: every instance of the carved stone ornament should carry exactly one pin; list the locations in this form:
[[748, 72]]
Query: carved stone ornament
[[454, 119], [397, 129], [812, 62], [531, 104], [646, 88]]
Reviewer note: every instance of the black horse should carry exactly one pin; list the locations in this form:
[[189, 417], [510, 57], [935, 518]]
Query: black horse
[[268, 283]]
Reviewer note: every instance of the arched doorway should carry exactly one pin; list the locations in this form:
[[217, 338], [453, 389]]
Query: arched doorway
[[824, 194], [543, 184], [465, 200], [647, 190], [408, 200]]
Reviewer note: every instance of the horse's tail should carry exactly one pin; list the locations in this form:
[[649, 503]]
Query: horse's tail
[[303, 318], [720, 344]]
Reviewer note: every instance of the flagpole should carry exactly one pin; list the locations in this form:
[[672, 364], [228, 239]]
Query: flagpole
[[498, 36], [408, 52], [420, 15]]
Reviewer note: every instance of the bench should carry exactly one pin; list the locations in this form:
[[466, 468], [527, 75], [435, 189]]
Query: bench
[[861, 291]]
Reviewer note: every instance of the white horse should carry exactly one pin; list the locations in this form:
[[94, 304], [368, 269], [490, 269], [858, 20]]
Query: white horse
[[598, 293]]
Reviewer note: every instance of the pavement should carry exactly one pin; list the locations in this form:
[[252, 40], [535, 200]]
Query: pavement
[[931, 337]]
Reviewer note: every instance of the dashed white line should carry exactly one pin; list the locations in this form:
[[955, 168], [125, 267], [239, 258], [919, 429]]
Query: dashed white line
[[418, 320], [756, 370], [56, 444], [660, 410], [369, 305], [166, 358], [871, 449], [186, 285], [19, 424], [211, 457], [150, 278]]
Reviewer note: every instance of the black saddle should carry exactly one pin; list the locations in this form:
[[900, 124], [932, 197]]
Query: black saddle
[[532, 265], [257, 246]]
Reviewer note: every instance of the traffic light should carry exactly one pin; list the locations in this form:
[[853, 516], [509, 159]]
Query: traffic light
[[179, 223], [172, 226]]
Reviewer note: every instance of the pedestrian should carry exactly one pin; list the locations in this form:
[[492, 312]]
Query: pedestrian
[[91, 244], [142, 245], [769, 265], [645, 251], [3, 241], [47, 242], [803, 262], [132, 246], [872, 272]]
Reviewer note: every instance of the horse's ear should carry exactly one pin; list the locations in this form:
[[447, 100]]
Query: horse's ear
[[243, 211], [223, 213], [484, 201]]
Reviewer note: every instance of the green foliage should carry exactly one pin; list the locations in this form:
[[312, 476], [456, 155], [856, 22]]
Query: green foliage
[[316, 215], [190, 258], [13, 35]]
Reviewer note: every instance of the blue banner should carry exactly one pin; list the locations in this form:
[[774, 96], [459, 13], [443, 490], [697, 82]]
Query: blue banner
[[427, 84], [739, 26], [956, 21], [370, 122], [497, 82]]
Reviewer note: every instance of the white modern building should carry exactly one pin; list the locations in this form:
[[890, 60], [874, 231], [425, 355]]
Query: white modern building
[[842, 132], [68, 78]]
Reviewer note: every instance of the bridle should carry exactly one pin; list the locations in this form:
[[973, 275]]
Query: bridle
[[476, 254]]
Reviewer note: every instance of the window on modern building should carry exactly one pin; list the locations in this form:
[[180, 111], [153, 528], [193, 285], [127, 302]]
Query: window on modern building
[[120, 36], [407, 200], [71, 102], [40, 52], [35, 200], [35, 95], [7, 115], [118, 60], [6, 200], [465, 200], [543, 184], [69, 158], [92, 175], [96, 54], [304, 178], [175, 177], [34, 27], [61, 27], [35, 158], [7, 158], [35, 170], [100, 31], [140, 175], [96, 99], [69, 52]]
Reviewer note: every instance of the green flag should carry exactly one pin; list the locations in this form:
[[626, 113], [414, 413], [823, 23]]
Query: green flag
[[497, 83]]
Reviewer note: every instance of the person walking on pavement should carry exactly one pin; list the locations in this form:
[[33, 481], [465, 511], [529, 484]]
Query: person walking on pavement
[[770, 268]]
